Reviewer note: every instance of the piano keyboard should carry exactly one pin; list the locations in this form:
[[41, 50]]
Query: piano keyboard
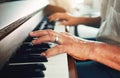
[[27, 62]]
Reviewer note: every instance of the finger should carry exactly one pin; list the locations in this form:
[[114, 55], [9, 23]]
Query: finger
[[52, 17], [55, 18], [40, 33], [43, 39], [65, 23], [59, 49]]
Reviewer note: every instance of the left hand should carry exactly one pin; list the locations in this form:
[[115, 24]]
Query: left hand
[[65, 19]]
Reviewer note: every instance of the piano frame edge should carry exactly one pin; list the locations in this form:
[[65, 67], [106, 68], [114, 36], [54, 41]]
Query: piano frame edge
[[71, 62], [72, 67]]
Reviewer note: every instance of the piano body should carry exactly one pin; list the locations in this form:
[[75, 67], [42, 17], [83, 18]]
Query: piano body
[[17, 19]]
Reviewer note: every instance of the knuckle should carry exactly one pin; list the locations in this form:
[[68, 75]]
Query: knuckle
[[57, 14], [48, 30], [61, 48], [50, 35]]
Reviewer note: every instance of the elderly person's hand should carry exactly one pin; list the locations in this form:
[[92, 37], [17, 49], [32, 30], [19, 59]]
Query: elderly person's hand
[[77, 48], [65, 19]]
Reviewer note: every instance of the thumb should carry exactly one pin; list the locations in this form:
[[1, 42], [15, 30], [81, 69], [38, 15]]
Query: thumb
[[58, 49]]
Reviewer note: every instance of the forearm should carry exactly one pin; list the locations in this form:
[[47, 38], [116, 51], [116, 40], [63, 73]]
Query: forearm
[[106, 54], [90, 21]]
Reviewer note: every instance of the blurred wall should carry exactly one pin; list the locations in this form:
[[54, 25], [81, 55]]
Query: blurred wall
[[66, 4]]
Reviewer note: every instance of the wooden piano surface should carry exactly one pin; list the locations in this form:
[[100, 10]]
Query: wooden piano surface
[[57, 66]]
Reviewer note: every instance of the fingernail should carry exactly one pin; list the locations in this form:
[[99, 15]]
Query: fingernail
[[43, 54], [33, 42], [56, 19], [31, 32]]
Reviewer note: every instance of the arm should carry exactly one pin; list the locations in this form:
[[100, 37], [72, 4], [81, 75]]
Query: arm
[[90, 21], [106, 54]]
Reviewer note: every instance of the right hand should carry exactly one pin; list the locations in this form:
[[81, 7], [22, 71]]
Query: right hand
[[77, 48], [64, 19]]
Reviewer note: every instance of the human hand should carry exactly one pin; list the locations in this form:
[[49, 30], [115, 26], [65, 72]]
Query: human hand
[[77, 48], [64, 19]]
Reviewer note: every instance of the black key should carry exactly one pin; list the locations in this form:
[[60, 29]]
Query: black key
[[28, 58], [30, 51], [41, 66], [29, 39], [27, 66], [16, 71], [29, 45]]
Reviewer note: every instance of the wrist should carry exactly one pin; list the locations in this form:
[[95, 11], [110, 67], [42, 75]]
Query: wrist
[[90, 51], [81, 20]]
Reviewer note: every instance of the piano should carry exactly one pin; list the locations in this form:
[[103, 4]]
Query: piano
[[18, 57]]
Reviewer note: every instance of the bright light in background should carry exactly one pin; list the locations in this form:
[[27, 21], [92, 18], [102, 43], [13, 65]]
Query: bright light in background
[[79, 1], [86, 7]]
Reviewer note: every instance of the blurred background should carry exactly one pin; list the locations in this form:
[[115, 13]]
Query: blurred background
[[79, 7], [84, 8]]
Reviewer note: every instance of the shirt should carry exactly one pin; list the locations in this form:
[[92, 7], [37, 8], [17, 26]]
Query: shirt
[[109, 31]]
